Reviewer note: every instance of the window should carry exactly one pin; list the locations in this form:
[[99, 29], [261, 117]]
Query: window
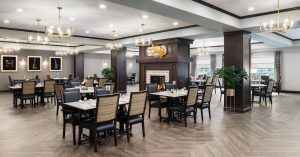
[[262, 64], [203, 66]]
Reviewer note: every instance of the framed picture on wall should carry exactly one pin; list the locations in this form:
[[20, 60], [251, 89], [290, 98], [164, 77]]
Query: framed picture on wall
[[34, 63], [9, 63], [55, 63]]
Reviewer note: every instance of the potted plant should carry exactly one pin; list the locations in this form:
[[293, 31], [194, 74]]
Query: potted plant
[[232, 78], [110, 74]]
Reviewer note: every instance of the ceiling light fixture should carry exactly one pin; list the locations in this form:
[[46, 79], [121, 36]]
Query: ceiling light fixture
[[71, 51], [278, 27], [102, 6], [6, 21], [87, 32], [204, 50], [145, 17], [38, 39], [175, 23], [59, 33], [9, 49], [251, 9], [19, 10], [142, 41], [72, 19], [114, 45]]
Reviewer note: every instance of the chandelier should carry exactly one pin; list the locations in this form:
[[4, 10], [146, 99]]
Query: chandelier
[[71, 51], [114, 45], [38, 39], [9, 50], [58, 32], [142, 41], [278, 27], [204, 50]]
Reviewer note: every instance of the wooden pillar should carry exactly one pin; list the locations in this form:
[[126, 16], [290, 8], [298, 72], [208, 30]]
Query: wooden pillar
[[118, 62], [79, 66], [237, 52]]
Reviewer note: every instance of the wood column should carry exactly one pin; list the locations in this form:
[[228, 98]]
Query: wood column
[[118, 62], [79, 66], [237, 52]]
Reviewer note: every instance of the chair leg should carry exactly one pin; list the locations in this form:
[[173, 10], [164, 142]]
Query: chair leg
[[115, 136], [95, 140], [57, 108], [149, 111], [259, 99], [201, 114], [79, 135], [185, 120], [220, 97], [270, 98], [74, 134], [64, 130], [209, 112], [195, 117], [143, 128], [265, 100], [127, 130]]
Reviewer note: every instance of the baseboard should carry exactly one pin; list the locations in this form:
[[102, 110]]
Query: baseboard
[[290, 91], [2, 91]]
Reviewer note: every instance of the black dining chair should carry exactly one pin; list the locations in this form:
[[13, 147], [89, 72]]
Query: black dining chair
[[222, 90], [100, 91], [264, 93], [169, 86], [58, 88], [186, 107], [70, 116], [154, 101], [104, 118], [204, 103], [73, 84], [277, 86]]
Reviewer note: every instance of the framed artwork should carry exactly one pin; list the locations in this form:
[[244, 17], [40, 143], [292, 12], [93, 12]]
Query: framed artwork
[[9, 63], [55, 63], [34, 63]]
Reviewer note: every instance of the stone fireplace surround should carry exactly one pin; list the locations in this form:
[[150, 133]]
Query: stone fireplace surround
[[165, 73]]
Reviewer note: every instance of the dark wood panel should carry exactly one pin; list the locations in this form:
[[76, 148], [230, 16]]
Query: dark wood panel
[[79, 65], [118, 62]]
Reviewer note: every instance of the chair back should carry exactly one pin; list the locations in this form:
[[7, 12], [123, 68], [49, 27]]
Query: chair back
[[100, 91], [70, 76], [192, 96], [152, 88], [169, 86], [71, 96], [214, 80], [49, 86], [270, 86], [89, 82], [101, 82], [209, 80], [111, 87], [58, 88], [28, 88], [95, 77], [137, 103], [106, 107], [200, 77], [48, 77], [74, 84], [10, 81], [35, 80], [207, 93], [37, 77], [76, 79], [220, 86]]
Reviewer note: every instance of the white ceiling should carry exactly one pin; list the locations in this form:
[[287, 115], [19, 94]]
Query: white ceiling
[[292, 34], [240, 7], [87, 14]]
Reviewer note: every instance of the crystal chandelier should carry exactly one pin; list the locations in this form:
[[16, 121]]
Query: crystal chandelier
[[71, 51], [114, 45], [204, 50], [38, 39], [142, 41], [9, 50], [58, 32], [278, 27]]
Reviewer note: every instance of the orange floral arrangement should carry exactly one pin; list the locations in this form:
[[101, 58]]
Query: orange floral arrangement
[[159, 51]]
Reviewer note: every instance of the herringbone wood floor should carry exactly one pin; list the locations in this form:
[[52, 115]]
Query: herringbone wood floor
[[265, 132]]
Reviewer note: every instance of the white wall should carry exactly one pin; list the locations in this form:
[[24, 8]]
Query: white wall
[[290, 69], [94, 63], [133, 67]]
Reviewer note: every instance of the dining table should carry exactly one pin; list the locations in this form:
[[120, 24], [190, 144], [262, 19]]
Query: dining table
[[59, 79]]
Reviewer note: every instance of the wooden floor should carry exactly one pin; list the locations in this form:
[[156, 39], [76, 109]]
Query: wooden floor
[[265, 132]]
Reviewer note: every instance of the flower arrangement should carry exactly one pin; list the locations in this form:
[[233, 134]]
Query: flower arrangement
[[158, 51]]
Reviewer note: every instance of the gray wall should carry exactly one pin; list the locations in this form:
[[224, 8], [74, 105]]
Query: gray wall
[[68, 64], [133, 67]]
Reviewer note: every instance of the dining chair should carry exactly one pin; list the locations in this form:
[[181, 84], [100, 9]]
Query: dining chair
[[73, 84], [48, 77], [214, 82], [28, 93], [95, 77], [200, 77], [10, 81], [70, 116], [89, 82], [58, 88], [111, 87], [186, 107], [264, 93], [104, 118], [48, 91], [101, 82], [100, 91], [204, 103], [154, 101], [222, 90], [136, 112], [169, 86], [277, 86]]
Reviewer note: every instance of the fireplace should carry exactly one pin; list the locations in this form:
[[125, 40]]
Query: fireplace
[[159, 80]]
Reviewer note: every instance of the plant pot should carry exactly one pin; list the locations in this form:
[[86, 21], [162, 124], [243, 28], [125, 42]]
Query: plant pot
[[230, 92]]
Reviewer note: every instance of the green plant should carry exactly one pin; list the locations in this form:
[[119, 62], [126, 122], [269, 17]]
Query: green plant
[[109, 73], [232, 76]]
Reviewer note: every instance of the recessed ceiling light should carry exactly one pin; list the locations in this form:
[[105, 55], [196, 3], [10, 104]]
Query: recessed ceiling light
[[102, 6], [19, 10], [116, 35], [72, 19], [111, 25], [6, 21], [175, 23], [87, 32], [52, 27], [251, 9], [145, 16]]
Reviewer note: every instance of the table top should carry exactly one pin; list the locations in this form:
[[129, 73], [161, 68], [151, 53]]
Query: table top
[[200, 81], [179, 93], [39, 85], [91, 104], [257, 80], [83, 90], [258, 85], [60, 78]]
